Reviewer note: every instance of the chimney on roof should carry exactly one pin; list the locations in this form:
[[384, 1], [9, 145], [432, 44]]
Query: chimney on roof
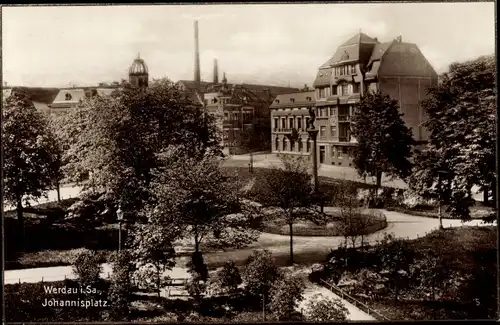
[[376, 39], [305, 88], [216, 72], [399, 39], [196, 54]]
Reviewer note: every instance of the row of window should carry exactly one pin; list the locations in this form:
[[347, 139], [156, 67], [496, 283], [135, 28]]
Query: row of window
[[235, 116], [347, 69], [298, 146], [300, 122], [343, 89]]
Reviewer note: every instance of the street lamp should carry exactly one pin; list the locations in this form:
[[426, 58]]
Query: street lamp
[[119, 214], [440, 175]]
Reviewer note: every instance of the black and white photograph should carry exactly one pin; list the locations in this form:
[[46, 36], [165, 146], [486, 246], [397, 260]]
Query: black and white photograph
[[249, 162]]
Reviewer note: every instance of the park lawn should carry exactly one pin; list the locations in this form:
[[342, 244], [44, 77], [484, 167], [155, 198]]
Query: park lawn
[[465, 249]]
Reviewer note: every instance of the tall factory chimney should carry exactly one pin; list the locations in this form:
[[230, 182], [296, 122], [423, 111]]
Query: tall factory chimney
[[196, 54], [216, 72]]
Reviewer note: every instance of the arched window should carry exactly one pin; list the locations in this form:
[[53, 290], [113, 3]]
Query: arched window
[[68, 96], [277, 144], [284, 145]]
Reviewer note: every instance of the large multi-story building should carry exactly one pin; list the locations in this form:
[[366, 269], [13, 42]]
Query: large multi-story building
[[359, 65], [236, 106]]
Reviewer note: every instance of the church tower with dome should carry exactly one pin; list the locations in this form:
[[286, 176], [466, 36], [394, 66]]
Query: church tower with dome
[[138, 73]]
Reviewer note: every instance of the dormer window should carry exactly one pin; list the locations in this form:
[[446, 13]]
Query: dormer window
[[308, 98], [277, 101], [345, 56], [67, 96], [292, 100]]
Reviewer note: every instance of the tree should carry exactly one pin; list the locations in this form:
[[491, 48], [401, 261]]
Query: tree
[[384, 141], [260, 273], [123, 139], [57, 174], [153, 251], [324, 309], [286, 294], [290, 190], [205, 203], [461, 125], [28, 153]]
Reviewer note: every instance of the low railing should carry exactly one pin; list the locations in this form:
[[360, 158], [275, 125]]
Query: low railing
[[339, 292]]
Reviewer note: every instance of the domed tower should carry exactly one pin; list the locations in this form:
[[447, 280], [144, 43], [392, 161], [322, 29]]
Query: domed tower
[[138, 73]]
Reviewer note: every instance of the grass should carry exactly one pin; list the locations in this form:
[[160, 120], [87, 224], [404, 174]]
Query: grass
[[48, 258], [277, 225], [476, 212], [467, 250]]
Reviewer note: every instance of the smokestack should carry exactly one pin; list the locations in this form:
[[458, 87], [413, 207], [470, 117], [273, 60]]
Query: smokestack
[[216, 72], [196, 54]]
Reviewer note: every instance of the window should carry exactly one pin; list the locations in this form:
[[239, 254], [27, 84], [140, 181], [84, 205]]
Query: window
[[339, 153], [333, 153], [322, 131], [341, 71], [345, 150], [321, 92], [290, 122], [299, 123], [284, 145], [226, 135], [300, 145], [333, 131], [307, 122], [334, 90], [308, 145], [276, 124], [345, 89], [356, 88], [283, 123], [67, 96], [226, 116], [353, 69], [276, 144], [292, 145], [237, 116], [333, 111]]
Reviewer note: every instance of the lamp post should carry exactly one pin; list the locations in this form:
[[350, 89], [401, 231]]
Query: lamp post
[[440, 216], [119, 214], [313, 134]]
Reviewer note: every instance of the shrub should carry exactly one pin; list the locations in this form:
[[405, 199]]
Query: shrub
[[228, 279], [324, 309], [120, 291], [286, 294], [260, 273], [87, 267]]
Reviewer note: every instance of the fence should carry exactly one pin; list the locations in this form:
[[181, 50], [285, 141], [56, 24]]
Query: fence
[[339, 292]]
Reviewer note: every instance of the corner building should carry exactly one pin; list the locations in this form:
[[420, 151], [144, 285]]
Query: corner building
[[359, 65]]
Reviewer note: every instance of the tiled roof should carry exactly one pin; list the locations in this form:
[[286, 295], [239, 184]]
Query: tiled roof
[[396, 59], [378, 51], [323, 77], [294, 99], [359, 38]]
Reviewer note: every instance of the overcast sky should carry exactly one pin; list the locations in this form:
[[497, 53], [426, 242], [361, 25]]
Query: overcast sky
[[273, 44]]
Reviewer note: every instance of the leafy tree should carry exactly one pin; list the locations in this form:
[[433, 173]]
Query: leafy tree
[[29, 153], [123, 139], [286, 294], [153, 252], [461, 148], [199, 276], [325, 309], [120, 291], [290, 190], [205, 203], [260, 273], [87, 268], [384, 141], [57, 163]]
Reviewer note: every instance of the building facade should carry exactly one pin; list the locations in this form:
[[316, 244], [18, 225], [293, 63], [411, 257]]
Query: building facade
[[359, 65]]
